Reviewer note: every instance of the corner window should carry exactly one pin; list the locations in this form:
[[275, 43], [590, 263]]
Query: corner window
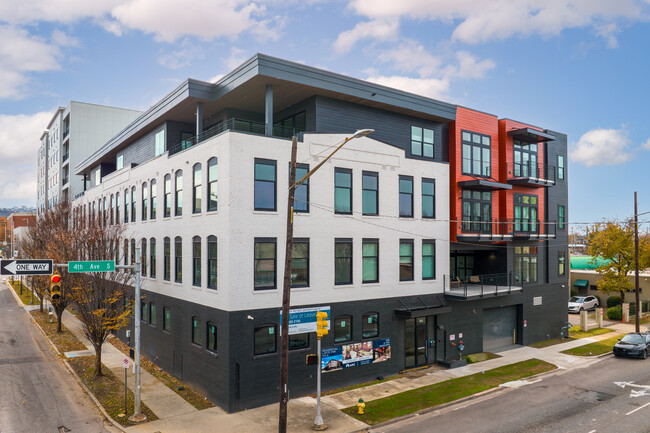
[[159, 140], [428, 259], [342, 329], [422, 142], [370, 252], [166, 259], [370, 193], [476, 153], [145, 193], [406, 196], [301, 193], [179, 193], [428, 198], [178, 259], [300, 263], [265, 194], [370, 325], [343, 261], [560, 167], [265, 340], [211, 329], [212, 262], [196, 188], [196, 261], [560, 217], [152, 258], [196, 331], [167, 319], [342, 190], [406, 260], [561, 260], [167, 196], [265, 257], [153, 198], [212, 184]]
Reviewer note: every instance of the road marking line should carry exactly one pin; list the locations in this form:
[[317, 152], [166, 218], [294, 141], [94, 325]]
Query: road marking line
[[640, 407], [593, 431]]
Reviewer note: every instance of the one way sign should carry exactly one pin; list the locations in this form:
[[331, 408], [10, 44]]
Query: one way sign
[[26, 267]]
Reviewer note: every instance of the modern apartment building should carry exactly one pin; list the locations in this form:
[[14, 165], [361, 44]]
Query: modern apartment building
[[71, 135], [201, 182]]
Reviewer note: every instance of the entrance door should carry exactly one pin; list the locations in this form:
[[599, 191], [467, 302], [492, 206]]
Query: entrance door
[[499, 325], [415, 342]]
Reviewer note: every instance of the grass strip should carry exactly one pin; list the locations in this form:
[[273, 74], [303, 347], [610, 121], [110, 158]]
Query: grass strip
[[187, 393], [574, 334], [26, 297], [107, 389], [357, 386], [404, 403], [64, 341], [480, 357], [593, 349]]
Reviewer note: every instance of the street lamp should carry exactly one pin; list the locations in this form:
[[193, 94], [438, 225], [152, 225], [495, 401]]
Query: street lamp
[[286, 289]]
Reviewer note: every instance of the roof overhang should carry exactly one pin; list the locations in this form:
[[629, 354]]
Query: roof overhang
[[530, 135], [581, 283], [483, 185], [418, 307]]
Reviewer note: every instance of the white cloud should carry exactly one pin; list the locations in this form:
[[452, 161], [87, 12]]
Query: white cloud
[[63, 11], [180, 58], [377, 29], [602, 147], [646, 144], [411, 56], [431, 87], [469, 66], [61, 39], [237, 57], [608, 32]]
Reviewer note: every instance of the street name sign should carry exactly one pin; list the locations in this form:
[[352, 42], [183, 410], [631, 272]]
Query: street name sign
[[26, 267], [92, 266], [303, 320]]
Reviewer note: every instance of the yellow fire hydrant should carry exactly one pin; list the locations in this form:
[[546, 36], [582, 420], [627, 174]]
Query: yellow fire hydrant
[[361, 405]]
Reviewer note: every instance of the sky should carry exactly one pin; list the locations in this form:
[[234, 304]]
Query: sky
[[576, 66]]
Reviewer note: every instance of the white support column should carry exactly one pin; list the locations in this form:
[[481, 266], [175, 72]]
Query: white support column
[[268, 110], [199, 118]]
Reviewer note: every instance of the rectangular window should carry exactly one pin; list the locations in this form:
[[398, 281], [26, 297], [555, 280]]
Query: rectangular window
[[152, 313], [196, 261], [166, 259], [428, 198], [265, 193], [134, 202], [343, 261], [298, 341], [422, 141], [300, 263], [370, 325], [342, 329], [152, 258], [525, 268], [167, 196], [212, 262], [212, 337], [144, 311], [159, 140], [370, 252], [127, 201], [212, 184], [153, 199], [342, 190], [119, 162], [196, 331], [178, 260], [428, 259], [476, 149], [143, 257], [406, 196], [370, 193], [265, 257], [179, 193], [525, 159], [561, 260], [117, 208], [560, 167], [167, 319], [196, 188], [265, 340], [145, 192], [525, 212], [560, 217], [301, 193], [406, 260], [477, 211]]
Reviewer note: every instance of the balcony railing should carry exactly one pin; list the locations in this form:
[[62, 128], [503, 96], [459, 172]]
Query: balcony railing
[[65, 180], [479, 286], [66, 132], [232, 124], [501, 229], [66, 156], [531, 174]]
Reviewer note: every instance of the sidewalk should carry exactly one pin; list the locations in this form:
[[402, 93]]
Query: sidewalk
[[176, 415]]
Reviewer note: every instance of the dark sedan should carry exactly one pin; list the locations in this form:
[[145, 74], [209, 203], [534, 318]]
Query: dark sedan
[[633, 344]]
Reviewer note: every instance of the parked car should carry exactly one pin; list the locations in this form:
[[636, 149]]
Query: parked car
[[633, 344], [579, 303]]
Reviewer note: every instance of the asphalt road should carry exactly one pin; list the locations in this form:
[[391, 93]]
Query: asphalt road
[[612, 395], [37, 393]]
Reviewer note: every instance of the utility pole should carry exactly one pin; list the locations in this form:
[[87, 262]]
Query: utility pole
[[636, 266], [137, 416]]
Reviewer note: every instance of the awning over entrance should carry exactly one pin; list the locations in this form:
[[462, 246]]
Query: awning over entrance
[[483, 185], [581, 283], [419, 306], [530, 135]]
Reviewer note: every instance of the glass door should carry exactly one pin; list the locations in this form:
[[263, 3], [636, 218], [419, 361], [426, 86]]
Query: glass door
[[415, 342]]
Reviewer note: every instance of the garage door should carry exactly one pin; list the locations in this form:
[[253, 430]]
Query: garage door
[[499, 325]]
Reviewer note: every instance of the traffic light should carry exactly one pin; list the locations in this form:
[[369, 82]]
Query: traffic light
[[55, 287], [321, 324], [311, 359]]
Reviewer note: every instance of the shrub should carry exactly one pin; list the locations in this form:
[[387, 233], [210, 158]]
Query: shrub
[[600, 302], [615, 313], [613, 301], [574, 292], [632, 308]]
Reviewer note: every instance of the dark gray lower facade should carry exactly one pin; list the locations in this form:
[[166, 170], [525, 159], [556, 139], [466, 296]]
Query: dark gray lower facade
[[421, 331]]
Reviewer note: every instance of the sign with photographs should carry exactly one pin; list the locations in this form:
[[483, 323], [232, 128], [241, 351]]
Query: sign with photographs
[[355, 354]]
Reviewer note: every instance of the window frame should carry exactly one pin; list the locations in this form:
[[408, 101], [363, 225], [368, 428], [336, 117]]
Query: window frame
[[134, 204], [411, 243], [473, 223], [419, 144], [428, 181], [196, 260], [178, 259], [256, 182], [431, 242], [344, 241], [213, 185], [167, 326], [167, 196], [561, 216], [152, 258], [561, 167], [336, 321], [368, 190], [213, 240], [152, 196], [275, 339], [143, 257], [469, 146], [364, 322], [274, 259], [302, 187], [167, 259], [178, 193], [407, 180], [365, 242], [143, 199], [197, 176], [294, 259], [561, 263], [196, 331], [211, 347], [348, 172]]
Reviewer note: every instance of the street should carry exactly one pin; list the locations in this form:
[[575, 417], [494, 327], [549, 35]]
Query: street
[[38, 393], [612, 395]]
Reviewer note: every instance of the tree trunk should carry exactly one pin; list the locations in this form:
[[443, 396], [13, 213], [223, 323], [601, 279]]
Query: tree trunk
[[59, 312], [98, 360], [622, 292], [41, 306]]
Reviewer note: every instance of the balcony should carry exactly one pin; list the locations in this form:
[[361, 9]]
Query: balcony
[[66, 156], [240, 125], [531, 175], [65, 181], [66, 132], [480, 286], [482, 230]]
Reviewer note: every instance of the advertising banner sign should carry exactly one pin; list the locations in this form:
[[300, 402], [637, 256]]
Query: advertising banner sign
[[355, 354]]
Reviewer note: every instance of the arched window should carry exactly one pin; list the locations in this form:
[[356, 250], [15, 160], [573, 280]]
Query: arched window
[[152, 258], [196, 261], [167, 193], [212, 262], [145, 193], [178, 259], [196, 188], [212, 184], [166, 259], [153, 198], [179, 192]]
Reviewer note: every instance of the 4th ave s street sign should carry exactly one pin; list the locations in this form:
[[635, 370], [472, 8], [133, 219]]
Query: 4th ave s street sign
[[26, 267]]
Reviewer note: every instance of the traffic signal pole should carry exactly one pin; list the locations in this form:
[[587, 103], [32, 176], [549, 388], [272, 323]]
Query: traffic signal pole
[[321, 330], [137, 416]]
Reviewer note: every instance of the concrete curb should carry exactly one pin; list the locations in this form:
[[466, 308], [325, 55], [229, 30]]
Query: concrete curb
[[68, 366]]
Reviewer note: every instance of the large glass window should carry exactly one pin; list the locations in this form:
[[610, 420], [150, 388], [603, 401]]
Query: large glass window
[[343, 261], [265, 258], [525, 264], [212, 337], [428, 198], [560, 167], [153, 198], [301, 193], [370, 325], [370, 251], [167, 319], [406, 260], [196, 261], [179, 193], [166, 259], [127, 201], [167, 196], [112, 218], [265, 340], [370, 192], [119, 163], [133, 204], [561, 261], [117, 208], [212, 262], [476, 153], [406, 196], [178, 259], [428, 259], [196, 330], [422, 141], [300, 263], [145, 193], [525, 209], [143, 257], [525, 158], [560, 217], [133, 251], [342, 329], [159, 140], [152, 257], [477, 211], [196, 188], [343, 190], [265, 175], [212, 183]]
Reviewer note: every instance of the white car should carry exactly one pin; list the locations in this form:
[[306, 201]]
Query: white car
[[579, 303]]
